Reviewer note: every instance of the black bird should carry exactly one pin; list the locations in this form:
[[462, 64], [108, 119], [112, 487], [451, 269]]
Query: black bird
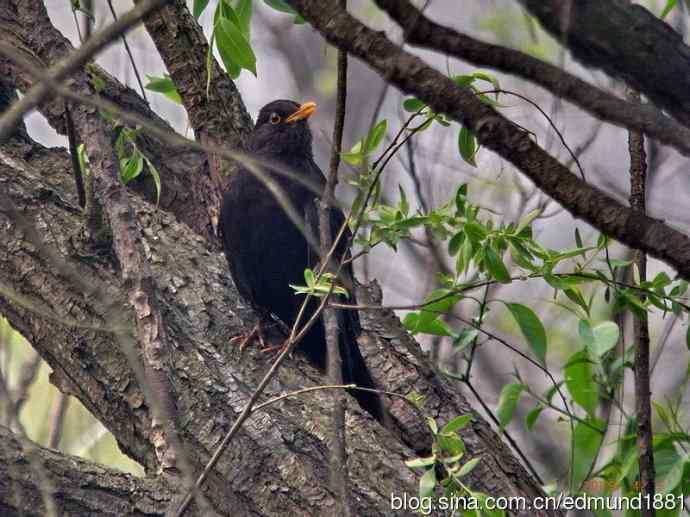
[[267, 252]]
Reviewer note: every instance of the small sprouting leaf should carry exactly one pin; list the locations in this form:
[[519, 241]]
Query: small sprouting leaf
[[507, 402], [531, 327], [199, 7], [600, 338], [165, 86], [532, 416], [131, 167], [427, 483], [527, 220], [309, 277], [413, 105], [468, 467], [495, 266], [355, 155], [467, 145], [586, 442], [421, 462], [156, 178], [580, 381], [459, 422], [376, 135], [670, 4]]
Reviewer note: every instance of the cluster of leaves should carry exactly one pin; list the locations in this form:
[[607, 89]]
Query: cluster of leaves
[[232, 32], [482, 249], [131, 160], [446, 467]]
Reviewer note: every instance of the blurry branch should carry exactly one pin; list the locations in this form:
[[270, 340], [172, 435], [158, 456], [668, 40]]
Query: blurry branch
[[631, 44], [28, 31], [77, 486], [339, 479], [643, 408], [41, 91], [57, 419], [421, 31], [129, 54], [27, 375], [495, 132]]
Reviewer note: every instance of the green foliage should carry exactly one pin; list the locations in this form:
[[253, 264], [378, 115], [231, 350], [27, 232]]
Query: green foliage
[[132, 160], [446, 470], [319, 286], [165, 86], [486, 252], [231, 33]]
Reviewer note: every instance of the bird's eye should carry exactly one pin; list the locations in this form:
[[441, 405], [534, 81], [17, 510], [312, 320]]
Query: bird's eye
[[275, 118]]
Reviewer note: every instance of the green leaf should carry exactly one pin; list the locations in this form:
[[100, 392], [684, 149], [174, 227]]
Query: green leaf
[[468, 467], [280, 5], [586, 442], [156, 178], [243, 9], [309, 277], [165, 86], [131, 167], [413, 105], [495, 266], [467, 145], [531, 327], [599, 339], [355, 155], [670, 4], [507, 401], [459, 422], [532, 416], [375, 136], [199, 6], [427, 483], [687, 338], [580, 382], [475, 231], [421, 462], [233, 46], [673, 477]]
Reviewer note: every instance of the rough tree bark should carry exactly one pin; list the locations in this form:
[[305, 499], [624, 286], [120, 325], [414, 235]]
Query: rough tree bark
[[278, 464]]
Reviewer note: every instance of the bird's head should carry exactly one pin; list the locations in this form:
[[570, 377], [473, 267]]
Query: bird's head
[[282, 129]]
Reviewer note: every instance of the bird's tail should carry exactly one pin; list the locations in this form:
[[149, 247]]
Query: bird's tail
[[354, 369]]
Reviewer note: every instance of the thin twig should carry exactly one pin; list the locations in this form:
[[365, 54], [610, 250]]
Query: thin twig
[[129, 53], [339, 478], [643, 408], [97, 42]]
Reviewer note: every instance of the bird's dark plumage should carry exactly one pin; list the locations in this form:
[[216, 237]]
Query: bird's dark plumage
[[267, 252]]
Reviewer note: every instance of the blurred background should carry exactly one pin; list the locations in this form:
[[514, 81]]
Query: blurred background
[[295, 63]]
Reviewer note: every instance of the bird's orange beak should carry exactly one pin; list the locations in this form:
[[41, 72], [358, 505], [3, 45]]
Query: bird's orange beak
[[305, 111]]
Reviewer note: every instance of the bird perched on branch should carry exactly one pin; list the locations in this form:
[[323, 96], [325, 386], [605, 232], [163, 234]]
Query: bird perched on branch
[[267, 250]]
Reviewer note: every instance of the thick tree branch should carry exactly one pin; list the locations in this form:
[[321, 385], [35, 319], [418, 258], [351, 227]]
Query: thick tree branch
[[412, 75], [421, 31], [78, 487], [627, 42], [284, 445], [643, 392], [216, 110]]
